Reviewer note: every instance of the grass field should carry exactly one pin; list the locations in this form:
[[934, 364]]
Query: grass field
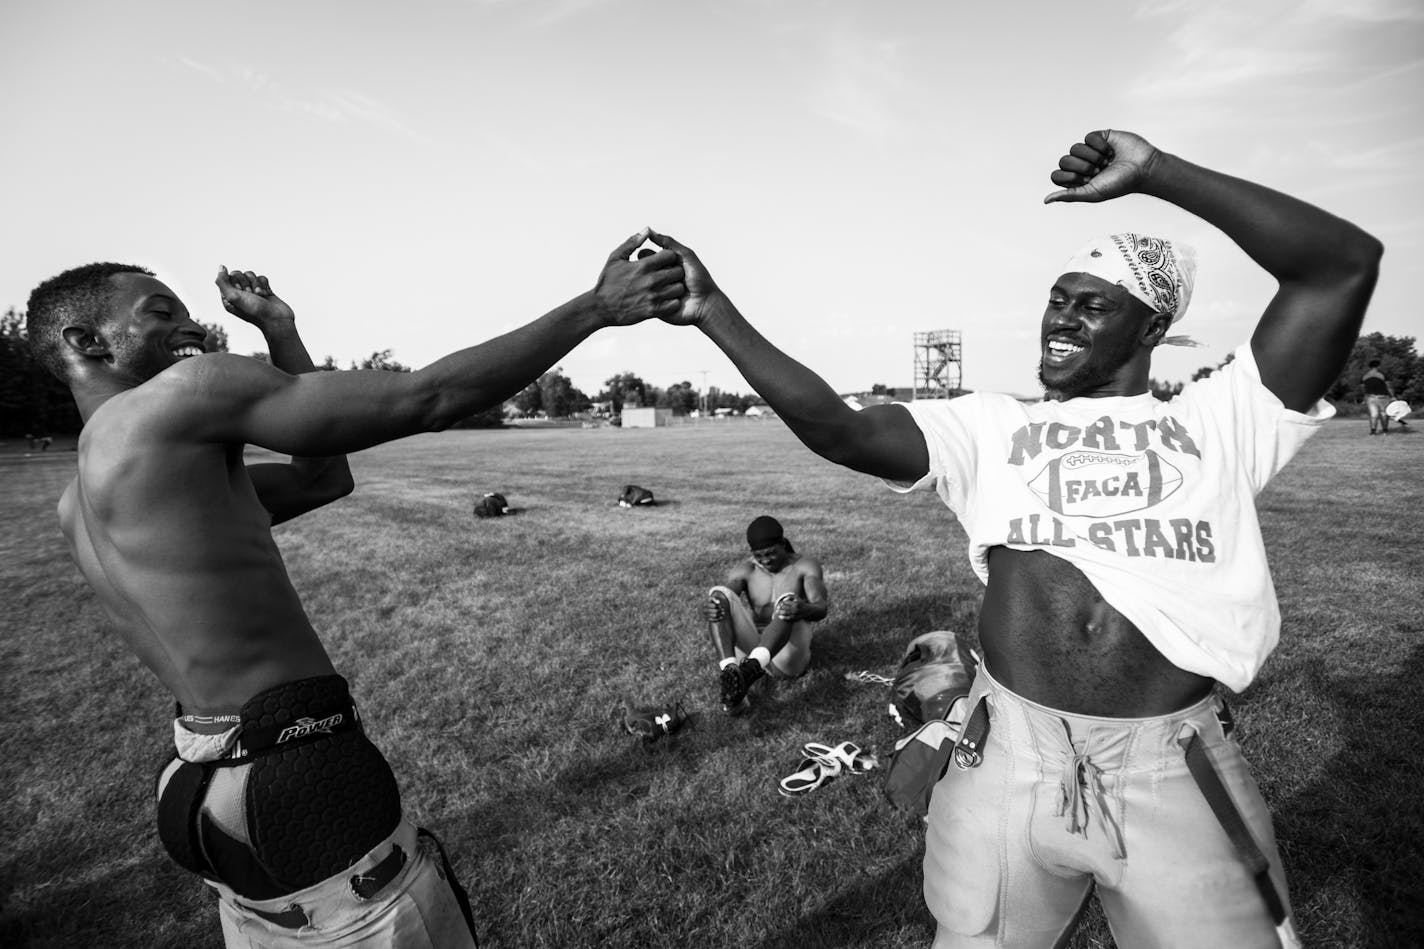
[[488, 658]]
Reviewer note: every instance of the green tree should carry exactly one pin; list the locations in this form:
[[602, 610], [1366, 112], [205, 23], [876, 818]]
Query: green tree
[[381, 360], [1399, 362], [680, 397], [1205, 371], [217, 338], [717, 399], [1165, 391], [554, 394], [530, 399], [32, 401], [559, 396], [625, 387], [492, 417]]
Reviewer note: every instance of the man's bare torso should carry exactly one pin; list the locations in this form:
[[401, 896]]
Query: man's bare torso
[[764, 588], [174, 541], [1048, 635]]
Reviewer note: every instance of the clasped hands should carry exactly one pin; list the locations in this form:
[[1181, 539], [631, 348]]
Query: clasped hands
[[669, 284]]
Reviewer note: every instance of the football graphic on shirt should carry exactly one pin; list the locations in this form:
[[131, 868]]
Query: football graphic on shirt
[[1105, 484]]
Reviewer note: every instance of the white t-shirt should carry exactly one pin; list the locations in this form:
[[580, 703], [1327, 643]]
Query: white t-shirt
[[1153, 501]]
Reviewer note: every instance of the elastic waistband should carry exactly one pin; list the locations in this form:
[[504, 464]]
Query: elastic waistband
[[1111, 740], [291, 713]]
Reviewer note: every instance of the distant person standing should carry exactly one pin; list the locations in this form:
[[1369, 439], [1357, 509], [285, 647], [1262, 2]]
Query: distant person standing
[[1378, 394], [761, 617]]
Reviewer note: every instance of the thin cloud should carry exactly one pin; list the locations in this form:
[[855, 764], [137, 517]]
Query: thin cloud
[[355, 107], [337, 107], [1366, 11], [1207, 73], [862, 82], [567, 9], [1218, 313], [203, 68], [1392, 157], [1389, 75], [1221, 48]]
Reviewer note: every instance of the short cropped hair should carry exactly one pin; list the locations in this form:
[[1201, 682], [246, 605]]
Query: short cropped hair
[[76, 297]]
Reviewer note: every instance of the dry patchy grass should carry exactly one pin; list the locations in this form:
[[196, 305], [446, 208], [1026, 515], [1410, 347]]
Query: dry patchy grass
[[488, 656]]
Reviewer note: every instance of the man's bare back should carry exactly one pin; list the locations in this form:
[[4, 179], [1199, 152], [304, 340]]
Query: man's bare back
[[173, 531], [171, 535]]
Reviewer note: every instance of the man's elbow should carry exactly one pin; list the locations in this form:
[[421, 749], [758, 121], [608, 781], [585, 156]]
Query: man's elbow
[[342, 486], [1352, 266], [333, 484], [1362, 255], [438, 409]]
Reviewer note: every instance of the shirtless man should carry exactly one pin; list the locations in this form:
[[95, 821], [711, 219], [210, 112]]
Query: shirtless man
[[276, 797], [762, 615], [1124, 567]]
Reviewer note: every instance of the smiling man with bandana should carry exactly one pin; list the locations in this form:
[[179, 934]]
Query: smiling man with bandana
[[1124, 570]]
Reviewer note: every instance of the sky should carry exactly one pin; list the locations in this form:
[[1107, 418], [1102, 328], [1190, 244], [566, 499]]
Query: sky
[[422, 176]]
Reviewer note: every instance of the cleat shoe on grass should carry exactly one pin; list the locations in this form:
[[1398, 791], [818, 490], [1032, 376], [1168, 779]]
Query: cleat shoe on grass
[[740, 707], [734, 690]]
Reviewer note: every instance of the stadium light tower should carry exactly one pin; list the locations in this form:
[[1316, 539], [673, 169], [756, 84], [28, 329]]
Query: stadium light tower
[[939, 357], [703, 394]]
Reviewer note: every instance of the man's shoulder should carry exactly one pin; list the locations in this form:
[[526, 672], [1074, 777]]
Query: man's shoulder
[[971, 411], [196, 376], [213, 369], [742, 568], [962, 403], [213, 381], [171, 405], [806, 563]]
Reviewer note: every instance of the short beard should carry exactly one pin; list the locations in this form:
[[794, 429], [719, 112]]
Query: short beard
[[140, 364], [1080, 381]]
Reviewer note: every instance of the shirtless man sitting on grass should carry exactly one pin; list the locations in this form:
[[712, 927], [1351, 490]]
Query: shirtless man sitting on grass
[[762, 615], [275, 797]]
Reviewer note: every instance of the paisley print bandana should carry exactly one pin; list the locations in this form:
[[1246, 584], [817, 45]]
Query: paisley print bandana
[[1155, 271]]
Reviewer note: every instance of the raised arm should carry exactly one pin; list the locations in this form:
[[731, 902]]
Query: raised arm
[[305, 483], [327, 413], [1326, 267], [881, 440]]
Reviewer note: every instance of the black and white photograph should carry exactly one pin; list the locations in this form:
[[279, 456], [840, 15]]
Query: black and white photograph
[[755, 474]]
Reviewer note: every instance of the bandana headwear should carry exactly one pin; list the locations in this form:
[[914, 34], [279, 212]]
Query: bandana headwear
[[1155, 271], [763, 532]]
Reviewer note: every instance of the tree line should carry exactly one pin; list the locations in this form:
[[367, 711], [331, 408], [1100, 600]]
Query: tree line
[[1400, 363], [33, 402], [554, 394]]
